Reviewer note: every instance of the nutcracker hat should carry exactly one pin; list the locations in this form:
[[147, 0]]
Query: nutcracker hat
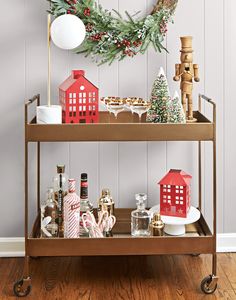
[[186, 42]]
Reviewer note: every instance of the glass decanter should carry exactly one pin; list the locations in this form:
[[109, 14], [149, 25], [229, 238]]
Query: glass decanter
[[140, 218]]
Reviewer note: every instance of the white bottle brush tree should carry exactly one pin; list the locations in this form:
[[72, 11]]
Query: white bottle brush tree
[[175, 110], [158, 112]]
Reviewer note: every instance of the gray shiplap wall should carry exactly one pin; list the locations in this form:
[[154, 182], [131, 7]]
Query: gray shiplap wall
[[124, 167]]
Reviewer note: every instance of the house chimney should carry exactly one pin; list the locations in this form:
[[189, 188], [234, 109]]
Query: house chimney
[[77, 73]]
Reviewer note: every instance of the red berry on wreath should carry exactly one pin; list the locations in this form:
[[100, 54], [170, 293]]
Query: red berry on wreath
[[87, 12]]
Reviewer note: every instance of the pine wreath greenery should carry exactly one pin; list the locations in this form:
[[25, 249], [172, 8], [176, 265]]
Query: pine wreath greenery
[[110, 36]]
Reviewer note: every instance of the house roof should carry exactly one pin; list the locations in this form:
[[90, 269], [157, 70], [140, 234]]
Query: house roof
[[176, 177], [73, 78]]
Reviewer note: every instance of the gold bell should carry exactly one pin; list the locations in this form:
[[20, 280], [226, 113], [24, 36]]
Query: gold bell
[[157, 225]]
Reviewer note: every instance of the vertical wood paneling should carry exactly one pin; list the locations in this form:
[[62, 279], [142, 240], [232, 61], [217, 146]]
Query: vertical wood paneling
[[189, 20], [214, 87], [229, 114], [132, 156], [12, 75], [126, 168]]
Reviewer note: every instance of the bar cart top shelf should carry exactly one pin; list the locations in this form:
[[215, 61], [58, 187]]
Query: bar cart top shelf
[[125, 128]]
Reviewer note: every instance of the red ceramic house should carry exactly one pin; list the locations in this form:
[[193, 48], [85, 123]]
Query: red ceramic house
[[79, 99], [175, 194]]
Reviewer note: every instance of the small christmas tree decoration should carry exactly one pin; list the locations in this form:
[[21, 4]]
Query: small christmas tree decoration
[[186, 72], [175, 110], [160, 97]]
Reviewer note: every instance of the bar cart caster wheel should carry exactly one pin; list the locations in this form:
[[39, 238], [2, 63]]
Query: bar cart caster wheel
[[209, 284], [22, 287]]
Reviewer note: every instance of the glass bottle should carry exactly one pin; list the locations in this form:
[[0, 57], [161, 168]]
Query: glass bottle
[[140, 218], [85, 204], [71, 212], [49, 227], [60, 190]]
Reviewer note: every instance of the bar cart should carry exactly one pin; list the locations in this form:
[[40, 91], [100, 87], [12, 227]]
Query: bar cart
[[128, 129]]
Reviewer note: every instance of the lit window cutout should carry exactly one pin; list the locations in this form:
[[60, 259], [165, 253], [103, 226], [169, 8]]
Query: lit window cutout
[[74, 108], [169, 197], [181, 202], [70, 95], [164, 190], [164, 196], [181, 191], [80, 108], [169, 201], [168, 190], [168, 186], [181, 198], [74, 95], [70, 101], [82, 88], [70, 108], [74, 101], [164, 201], [181, 187], [177, 186], [84, 95], [177, 202], [80, 100], [80, 95], [84, 108], [164, 185], [177, 197]]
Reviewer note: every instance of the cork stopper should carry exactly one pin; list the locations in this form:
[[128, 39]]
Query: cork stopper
[[60, 169], [71, 184]]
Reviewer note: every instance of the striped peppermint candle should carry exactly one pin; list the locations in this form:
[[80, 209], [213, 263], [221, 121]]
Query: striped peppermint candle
[[71, 212]]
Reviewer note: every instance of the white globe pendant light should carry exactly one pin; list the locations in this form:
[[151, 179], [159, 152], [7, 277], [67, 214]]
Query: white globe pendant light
[[67, 31]]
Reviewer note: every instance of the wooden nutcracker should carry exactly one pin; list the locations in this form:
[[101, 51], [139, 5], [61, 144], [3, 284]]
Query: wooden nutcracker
[[186, 71]]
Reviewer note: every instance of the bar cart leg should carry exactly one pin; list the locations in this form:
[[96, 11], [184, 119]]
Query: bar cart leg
[[209, 283], [23, 286]]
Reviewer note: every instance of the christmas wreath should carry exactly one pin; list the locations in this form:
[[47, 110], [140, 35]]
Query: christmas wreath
[[110, 36]]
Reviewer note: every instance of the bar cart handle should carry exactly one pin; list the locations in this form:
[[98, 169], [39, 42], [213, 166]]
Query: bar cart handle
[[203, 97], [28, 103]]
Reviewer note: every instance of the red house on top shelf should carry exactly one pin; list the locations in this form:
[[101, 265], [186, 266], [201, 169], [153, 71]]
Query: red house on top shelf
[[175, 194], [79, 99]]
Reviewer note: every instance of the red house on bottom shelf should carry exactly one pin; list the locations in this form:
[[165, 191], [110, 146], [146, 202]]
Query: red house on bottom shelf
[[175, 194], [79, 99]]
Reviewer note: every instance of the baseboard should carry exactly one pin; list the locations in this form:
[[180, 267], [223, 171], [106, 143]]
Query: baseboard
[[226, 242], [14, 247]]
